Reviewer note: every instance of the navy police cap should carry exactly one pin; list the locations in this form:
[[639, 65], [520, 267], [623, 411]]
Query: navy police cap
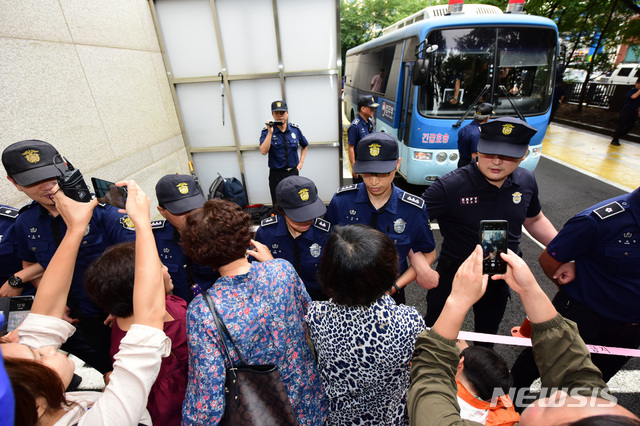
[[299, 199], [179, 194], [507, 136], [278, 106], [377, 153]]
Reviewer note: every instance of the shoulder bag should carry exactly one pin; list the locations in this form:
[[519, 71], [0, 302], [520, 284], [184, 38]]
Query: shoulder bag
[[254, 394]]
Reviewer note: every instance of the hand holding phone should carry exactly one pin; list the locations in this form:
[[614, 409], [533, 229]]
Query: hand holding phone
[[493, 239], [108, 193]]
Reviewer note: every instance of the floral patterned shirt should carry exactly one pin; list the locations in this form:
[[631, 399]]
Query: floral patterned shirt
[[364, 355], [264, 311]]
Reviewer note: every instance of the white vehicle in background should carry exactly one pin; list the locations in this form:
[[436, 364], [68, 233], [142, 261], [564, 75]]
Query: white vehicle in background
[[625, 73]]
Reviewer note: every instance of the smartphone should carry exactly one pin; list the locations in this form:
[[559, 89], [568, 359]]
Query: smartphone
[[15, 310], [493, 239], [108, 193]]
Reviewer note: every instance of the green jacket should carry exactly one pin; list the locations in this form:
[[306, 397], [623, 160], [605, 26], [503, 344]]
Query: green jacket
[[562, 358]]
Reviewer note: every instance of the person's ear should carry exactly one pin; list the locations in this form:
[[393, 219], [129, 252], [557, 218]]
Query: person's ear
[[161, 210], [398, 165], [18, 187], [41, 406]]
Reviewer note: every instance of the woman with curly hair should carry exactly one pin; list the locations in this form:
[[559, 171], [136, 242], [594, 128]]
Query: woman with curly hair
[[263, 307]]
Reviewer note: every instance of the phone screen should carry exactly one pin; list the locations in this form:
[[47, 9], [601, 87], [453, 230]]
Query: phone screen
[[15, 310], [108, 193], [493, 239]]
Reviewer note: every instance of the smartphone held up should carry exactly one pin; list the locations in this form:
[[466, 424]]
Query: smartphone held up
[[493, 239], [108, 193]]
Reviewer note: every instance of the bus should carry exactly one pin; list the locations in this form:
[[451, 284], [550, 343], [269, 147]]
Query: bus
[[436, 70]]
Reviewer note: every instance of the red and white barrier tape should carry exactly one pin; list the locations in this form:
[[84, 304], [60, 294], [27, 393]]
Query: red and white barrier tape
[[523, 341]]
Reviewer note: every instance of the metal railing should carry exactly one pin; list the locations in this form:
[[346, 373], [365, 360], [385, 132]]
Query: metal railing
[[598, 94]]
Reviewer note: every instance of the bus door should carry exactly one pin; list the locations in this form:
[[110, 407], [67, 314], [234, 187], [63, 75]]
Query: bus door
[[405, 113]]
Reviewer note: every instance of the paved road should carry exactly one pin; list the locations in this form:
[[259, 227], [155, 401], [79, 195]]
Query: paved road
[[564, 191]]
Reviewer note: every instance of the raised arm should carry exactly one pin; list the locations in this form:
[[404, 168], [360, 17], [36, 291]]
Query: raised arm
[[148, 287], [51, 297]]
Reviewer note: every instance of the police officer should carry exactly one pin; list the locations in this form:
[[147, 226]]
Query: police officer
[[594, 261], [177, 196], [377, 202], [39, 230], [280, 139], [490, 187], [15, 279], [360, 127], [299, 235], [469, 135]]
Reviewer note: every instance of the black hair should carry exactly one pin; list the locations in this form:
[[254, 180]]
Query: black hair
[[358, 266], [486, 371], [109, 279]]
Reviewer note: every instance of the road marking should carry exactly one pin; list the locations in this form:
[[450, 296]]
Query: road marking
[[585, 172]]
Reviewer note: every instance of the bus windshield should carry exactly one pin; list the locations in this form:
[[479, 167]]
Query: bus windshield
[[514, 63]]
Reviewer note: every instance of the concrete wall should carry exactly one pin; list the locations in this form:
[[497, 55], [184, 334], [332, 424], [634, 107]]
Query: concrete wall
[[88, 77]]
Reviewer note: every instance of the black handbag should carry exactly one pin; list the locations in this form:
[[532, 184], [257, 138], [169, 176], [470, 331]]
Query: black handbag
[[254, 394]]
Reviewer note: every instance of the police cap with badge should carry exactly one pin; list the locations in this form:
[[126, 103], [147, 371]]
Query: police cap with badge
[[367, 101], [31, 161], [377, 153], [278, 106], [179, 194], [507, 136], [299, 199]]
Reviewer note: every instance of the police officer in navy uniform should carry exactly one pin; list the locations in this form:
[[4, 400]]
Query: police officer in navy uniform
[[280, 139], [378, 203], [15, 279], [40, 229], [299, 235], [360, 127], [469, 135], [177, 196], [492, 187], [594, 261]]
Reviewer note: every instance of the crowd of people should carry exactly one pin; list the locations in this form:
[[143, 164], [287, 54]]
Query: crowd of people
[[316, 291]]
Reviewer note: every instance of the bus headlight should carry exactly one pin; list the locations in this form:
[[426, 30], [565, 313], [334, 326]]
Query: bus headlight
[[422, 156], [453, 157], [535, 152], [441, 157]]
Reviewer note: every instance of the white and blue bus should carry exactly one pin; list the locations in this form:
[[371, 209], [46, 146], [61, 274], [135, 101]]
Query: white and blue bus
[[435, 71]]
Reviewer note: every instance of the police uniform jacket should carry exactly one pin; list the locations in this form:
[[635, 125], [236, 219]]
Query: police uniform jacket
[[468, 138], [404, 218], [178, 264], [292, 137], [10, 263], [464, 197], [604, 241], [39, 234], [273, 233], [358, 129]]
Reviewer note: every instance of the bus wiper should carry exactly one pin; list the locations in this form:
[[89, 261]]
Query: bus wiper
[[473, 105], [510, 99]]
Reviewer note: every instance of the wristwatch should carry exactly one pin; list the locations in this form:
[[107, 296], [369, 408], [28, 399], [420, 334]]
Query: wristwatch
[[15, 282]]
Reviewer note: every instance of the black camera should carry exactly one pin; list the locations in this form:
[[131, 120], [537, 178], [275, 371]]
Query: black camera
[[274, 123], [71, 182]]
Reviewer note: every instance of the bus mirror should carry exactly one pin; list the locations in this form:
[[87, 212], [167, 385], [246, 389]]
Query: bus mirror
[[420, 73]]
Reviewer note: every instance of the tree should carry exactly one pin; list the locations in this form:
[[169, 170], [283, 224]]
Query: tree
[[363, 20]]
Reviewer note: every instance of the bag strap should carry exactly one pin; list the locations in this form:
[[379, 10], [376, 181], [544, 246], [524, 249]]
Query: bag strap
[[221, 327]]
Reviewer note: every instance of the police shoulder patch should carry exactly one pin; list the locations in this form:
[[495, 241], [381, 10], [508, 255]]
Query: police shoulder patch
[[414, 200], [127, 223], [264, 128], [609, 210], [9, 212], [348, 188], [322, 224], [269, 221], [356, 121], [158, 224], [294, 125]]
